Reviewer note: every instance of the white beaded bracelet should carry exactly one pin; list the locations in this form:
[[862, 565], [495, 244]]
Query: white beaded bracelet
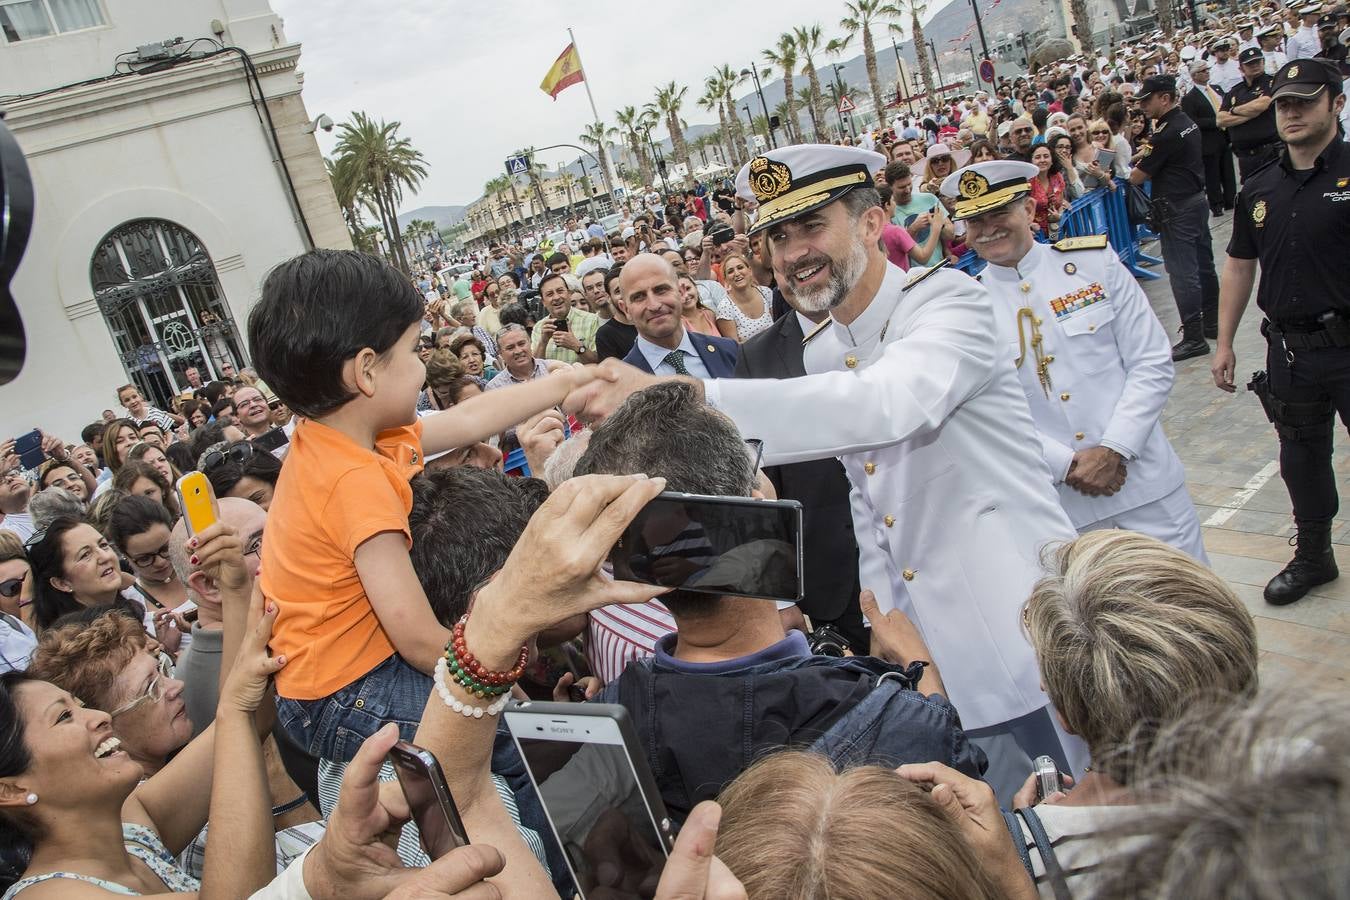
[[465, 709]]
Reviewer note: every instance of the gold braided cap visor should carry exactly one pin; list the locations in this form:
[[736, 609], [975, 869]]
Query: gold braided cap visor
[[808, 197], [965, 208]]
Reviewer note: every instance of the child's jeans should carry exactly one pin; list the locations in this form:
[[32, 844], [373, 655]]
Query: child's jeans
[[334, 727]]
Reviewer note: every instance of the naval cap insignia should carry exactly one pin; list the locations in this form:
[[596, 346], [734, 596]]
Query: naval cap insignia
[[769, 178], [973, 185]]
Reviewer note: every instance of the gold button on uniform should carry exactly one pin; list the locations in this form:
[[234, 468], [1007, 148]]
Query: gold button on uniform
[[870, 468], [1092, 328], [1078, 436], [908, 574], [1026, 287], [889, 520], [851, 361], [1064, 396]]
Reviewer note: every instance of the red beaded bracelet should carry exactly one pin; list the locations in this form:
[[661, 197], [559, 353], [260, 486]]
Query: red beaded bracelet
[[469, 663]]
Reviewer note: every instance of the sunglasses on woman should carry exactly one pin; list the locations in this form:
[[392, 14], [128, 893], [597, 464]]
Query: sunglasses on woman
[[10, 587], [238, 453]]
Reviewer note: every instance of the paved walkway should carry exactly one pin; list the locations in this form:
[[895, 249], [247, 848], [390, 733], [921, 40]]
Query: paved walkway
[[1232, 469]]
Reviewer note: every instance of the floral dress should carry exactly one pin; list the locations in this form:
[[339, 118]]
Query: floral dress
[[746, 327], [142, 843]]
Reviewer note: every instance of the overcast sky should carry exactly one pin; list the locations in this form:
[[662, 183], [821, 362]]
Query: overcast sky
[[463, 77]]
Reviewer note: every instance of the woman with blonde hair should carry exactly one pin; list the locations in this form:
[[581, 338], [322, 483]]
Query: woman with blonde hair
[[1128, 633], [793, 828], [748, 307]]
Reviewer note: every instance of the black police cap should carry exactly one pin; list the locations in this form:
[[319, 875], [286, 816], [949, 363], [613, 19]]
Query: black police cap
[[1306, 79], [1156, 84], [1250, 54]]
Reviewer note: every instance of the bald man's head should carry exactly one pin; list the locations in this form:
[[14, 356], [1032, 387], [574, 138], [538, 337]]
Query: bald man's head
[[652, 298], [248, 519]]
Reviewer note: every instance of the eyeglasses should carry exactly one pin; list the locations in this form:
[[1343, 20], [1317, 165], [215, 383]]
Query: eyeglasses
[[10, 587], [154, 693], [236, 452], [254, 546], [755, 448], [34, 539], [248, 401], [141, 560], [1096, 132]]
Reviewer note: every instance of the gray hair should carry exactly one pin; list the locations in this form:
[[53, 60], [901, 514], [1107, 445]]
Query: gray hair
[[667, 431], [53, 503], [1240, 799], [563, 460], [458, 309], [1127, 629]]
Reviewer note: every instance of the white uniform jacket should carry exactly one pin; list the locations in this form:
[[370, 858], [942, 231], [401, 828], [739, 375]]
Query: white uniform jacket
[[952, 500], [1110, 370]]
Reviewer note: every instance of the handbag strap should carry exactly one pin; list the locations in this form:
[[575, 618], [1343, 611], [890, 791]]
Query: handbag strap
[[1019, 842], [1054, 873]]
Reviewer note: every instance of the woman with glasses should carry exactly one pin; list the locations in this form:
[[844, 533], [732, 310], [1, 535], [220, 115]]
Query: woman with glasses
[[74, 568], [17, 641], [139, 528]]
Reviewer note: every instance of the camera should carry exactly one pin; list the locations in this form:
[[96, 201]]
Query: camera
[[826, 641], [721, 233]]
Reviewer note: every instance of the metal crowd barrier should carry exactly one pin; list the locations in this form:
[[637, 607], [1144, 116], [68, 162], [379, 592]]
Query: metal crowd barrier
[[1099, 211]]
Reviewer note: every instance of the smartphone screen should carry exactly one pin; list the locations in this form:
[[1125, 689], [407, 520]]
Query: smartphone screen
[[271, 440], [591, 794], [429, 801], [732, 546], [29, 448]]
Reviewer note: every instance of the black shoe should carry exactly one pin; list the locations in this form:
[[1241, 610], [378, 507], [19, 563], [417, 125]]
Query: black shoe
[[1216, 211], [1313, 564], [1193, 341]]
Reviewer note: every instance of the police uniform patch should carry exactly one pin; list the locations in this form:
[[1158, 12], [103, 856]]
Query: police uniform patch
[[1081, 299], [1342, 182], [769, 178], [1291, 72], [1259, 213]]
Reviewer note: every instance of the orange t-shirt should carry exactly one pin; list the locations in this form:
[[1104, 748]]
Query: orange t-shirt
[[332, 496]]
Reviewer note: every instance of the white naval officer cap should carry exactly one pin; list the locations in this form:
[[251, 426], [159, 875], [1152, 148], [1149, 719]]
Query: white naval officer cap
[[791, 181], [987, 186]]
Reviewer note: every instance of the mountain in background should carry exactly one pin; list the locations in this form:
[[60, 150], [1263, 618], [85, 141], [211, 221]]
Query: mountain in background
[[444, 216]]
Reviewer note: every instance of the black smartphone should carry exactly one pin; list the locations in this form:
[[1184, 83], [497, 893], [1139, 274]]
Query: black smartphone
[[597, 791], [733, 546], [29, 448], [429, 800], [271, 440], [560, 325]]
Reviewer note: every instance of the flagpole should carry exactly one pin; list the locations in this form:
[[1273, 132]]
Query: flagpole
[[606, 164]]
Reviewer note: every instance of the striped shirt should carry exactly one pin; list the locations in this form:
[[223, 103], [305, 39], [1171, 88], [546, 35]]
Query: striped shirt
[[618, 634], [1077, 847]]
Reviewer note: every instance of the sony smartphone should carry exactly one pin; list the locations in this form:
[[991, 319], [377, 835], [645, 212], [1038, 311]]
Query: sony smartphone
[[429, 800], [29, 448], [597, 791], [731, 546], [197, 501], [271, 440]]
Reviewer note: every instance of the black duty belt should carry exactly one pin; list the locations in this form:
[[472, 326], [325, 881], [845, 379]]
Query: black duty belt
[[1331, 329]]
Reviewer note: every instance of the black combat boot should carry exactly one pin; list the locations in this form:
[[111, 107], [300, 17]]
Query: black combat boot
[[1193, 341], [1313, 564], [1210, 313]]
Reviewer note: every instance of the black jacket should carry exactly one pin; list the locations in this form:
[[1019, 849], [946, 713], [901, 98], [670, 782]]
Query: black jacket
[[1212, 138], [831, 552], [700, 731]]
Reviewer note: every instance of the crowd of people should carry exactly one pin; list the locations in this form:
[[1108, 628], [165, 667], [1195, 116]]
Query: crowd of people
[[1010, 671]]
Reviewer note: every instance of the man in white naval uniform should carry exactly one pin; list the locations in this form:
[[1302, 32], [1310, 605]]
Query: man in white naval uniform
[[909, 385], [1094, 361]]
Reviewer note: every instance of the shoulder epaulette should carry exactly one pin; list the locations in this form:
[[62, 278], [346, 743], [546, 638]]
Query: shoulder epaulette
[[815, 331], [1086, 242], [924, 273]]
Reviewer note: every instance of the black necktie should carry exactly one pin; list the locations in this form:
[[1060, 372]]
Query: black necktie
[[675, 359]]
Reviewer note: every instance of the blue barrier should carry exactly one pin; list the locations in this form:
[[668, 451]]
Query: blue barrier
[[1099, 211]]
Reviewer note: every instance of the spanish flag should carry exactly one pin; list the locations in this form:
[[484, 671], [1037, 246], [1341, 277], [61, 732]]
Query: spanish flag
[[566, 71]]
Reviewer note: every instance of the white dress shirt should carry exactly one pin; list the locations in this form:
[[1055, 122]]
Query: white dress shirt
[[656, 357]]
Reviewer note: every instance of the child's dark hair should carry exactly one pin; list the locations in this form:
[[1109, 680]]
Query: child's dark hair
[[317, 311]]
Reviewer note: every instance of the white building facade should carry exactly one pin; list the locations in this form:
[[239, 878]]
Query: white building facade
[[166, 187]]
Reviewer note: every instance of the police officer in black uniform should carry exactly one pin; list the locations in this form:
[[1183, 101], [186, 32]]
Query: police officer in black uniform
[[1293, 216], [1248, 115], [1174, 162]]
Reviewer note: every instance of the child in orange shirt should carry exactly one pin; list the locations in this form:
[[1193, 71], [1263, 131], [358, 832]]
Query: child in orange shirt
[[335, 335]]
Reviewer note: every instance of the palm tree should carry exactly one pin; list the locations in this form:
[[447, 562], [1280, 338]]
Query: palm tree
[[1082, 26], [804, 100], [784, 55], [809, 43], [862, 14], [347, 189], [634, 122], [384, 164], [916, 8], [713, 97], [728, 78], [567, 181], [669, 99], [598, 135], [785, 116], [535, 172]]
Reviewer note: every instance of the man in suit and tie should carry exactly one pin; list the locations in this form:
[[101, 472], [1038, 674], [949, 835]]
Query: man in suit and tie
[[1202, 104], [820, 486], [651, 299]]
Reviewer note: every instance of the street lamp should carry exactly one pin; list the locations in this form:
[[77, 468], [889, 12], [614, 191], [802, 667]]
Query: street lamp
[[773, 142], [656, 158], [979, 26], [900, 74], [938, 68], [749, 149], [840, 102]]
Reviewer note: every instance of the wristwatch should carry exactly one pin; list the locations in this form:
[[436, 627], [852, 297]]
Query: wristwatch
[[581, 348]]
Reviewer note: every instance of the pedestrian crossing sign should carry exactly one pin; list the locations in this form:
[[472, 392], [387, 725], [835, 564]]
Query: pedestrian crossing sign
[[517, 165]]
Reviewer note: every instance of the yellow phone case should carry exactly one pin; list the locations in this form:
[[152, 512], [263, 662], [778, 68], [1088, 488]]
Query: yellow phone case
[[198, 502]]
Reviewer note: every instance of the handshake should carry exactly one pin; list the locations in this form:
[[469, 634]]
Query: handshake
[[597, 391]]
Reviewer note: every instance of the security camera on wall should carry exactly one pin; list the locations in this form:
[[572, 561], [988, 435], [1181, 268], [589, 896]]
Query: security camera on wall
[[323, 121]]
